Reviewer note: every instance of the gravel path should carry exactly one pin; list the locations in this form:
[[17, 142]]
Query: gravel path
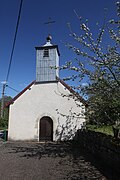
[[45, 161]]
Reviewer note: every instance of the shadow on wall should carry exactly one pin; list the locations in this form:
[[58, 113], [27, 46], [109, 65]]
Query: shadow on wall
[[72, 120], [67, 130]]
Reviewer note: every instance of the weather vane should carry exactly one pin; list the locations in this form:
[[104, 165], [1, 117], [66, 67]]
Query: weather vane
[[49, 22]]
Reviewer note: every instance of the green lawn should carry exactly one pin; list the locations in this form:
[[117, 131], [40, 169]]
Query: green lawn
[[103, 129]]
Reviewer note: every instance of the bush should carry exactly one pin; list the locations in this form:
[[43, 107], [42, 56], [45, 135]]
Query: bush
[[3, 123]]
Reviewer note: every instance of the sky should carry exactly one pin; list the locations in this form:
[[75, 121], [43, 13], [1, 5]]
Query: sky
[[32, 32]]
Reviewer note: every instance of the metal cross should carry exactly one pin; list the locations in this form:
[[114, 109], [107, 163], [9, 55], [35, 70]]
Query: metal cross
[[49, 23]]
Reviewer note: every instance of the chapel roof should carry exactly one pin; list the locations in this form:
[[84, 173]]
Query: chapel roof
[[73, 92], [58, 80], [19, 94]]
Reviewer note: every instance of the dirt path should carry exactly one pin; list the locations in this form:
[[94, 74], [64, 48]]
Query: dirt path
[[36, 161]]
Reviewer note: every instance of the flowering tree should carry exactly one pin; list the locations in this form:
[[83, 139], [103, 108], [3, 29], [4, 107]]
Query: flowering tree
[[99, 66]]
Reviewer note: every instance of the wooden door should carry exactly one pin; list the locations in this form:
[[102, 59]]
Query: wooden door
[[46, 129]]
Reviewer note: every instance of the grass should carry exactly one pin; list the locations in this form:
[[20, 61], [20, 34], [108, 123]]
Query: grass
[[103, 129]]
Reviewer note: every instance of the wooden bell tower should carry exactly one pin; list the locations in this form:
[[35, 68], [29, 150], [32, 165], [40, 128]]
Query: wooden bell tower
[[47, 59]]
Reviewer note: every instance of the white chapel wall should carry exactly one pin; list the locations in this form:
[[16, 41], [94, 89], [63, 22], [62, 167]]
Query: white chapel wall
[[45, 100]]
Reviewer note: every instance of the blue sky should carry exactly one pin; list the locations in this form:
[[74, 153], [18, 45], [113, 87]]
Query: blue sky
[[32, 32]]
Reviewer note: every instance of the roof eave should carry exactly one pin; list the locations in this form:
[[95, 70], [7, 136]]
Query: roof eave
[[19, 94], [73, 92]]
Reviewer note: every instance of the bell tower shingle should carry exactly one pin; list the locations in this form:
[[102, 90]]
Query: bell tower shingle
[[47, 58]]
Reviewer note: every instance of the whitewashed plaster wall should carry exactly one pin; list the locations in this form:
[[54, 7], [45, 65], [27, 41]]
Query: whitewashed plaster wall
[[44, 100]]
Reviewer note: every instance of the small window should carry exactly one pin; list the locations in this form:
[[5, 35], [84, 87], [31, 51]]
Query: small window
[[46, 53]]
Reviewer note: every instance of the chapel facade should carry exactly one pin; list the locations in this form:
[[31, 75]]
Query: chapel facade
[[47, 109]]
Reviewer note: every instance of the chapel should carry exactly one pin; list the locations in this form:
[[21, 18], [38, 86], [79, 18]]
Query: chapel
[[47, 109]]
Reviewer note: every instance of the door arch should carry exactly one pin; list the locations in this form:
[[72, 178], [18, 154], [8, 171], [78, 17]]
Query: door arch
[[46, 129]]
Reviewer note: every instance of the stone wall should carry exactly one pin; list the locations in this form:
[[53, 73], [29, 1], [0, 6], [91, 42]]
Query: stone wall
[[103, 147]]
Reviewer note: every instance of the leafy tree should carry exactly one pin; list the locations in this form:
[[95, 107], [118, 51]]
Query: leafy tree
[[4, 121], [100, 67], [104, 105]]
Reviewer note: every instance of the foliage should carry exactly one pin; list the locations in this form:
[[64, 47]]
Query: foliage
[[99, 66], [104, 103], [4, 121]]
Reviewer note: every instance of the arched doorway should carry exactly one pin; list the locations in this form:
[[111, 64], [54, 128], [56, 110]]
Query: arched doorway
[[46, 129]]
